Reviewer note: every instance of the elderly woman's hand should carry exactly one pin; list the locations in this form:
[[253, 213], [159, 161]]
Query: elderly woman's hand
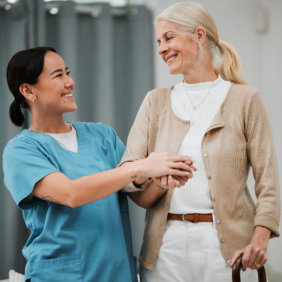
[[174, 181], [254, 254], [171, 182]]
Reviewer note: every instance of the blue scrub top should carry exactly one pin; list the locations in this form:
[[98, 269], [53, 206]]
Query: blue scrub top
[[88, 243]]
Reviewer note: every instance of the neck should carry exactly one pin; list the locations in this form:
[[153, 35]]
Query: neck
[[203, 72], [49, 125]]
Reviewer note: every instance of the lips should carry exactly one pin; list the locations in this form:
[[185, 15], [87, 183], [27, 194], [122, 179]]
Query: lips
[[170, 58], [68, 95]]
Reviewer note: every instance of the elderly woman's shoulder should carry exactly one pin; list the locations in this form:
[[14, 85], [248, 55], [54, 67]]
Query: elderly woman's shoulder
[[244, 95], [158, 99], [244, 90], [159, 94]]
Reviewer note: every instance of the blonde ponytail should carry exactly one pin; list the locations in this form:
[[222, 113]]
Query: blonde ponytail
[[229, 66]]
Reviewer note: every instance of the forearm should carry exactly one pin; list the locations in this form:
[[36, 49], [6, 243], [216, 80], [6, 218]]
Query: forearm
[[58, 188], [146, 198]]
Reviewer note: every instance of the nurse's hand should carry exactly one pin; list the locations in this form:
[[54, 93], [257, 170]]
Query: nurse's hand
[[160, 164]]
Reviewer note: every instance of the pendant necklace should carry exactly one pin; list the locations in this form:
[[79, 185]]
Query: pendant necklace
[[195, 107]]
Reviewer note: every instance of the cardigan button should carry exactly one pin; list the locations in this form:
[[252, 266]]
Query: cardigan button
[[222, 240], [205, 155], [228, 260], [218, 221]]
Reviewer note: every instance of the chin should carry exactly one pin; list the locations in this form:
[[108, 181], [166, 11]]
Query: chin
[[72, 108], [174, 71]]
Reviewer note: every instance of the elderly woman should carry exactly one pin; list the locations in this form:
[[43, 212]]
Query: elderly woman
[[196, 233], [63, 177]]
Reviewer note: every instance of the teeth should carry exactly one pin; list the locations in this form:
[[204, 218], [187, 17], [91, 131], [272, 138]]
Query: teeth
[[171, 58], [67, 95]]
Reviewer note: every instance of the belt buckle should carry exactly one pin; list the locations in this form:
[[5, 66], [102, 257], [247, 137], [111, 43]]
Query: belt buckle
[[194, 220]]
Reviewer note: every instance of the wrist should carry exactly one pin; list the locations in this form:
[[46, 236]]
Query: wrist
[[135, 172], [261, 237], [138, 172]]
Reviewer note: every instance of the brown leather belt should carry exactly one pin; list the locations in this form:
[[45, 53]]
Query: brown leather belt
[[193, 217]]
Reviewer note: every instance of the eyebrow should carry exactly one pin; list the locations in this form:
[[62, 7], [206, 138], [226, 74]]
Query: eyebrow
[[58, 70], [167, 32]]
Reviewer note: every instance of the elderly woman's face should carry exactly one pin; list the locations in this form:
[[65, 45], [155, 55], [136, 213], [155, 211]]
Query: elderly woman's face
[[177, 48]]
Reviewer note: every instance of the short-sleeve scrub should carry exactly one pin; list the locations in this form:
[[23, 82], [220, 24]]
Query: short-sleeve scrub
[[89, 243]]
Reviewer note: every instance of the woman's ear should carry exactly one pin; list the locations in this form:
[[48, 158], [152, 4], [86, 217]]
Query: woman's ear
[[27, 92], [200, 35]]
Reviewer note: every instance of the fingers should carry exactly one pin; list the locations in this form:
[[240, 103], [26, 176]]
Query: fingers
[[177, 158], [178, 172], [252, 258], [182, 166], [158, 164], [164, 181], [236, 255], [258, 258], [260, 262], [246, 258], [191, 164], [171, 182], [170, 157], [181, 180]]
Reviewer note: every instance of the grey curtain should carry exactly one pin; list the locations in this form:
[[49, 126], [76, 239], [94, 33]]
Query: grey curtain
[[110, 54]]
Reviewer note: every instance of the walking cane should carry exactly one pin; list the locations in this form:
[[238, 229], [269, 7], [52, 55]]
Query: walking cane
[[237, 269]]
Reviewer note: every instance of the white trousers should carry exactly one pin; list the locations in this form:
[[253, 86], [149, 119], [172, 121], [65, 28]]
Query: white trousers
[[190, 252]]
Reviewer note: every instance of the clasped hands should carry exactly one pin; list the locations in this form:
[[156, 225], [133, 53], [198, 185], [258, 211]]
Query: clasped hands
[[167, 170], [172, 181]]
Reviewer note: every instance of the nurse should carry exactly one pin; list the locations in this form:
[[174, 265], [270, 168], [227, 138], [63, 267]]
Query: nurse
[[63, 177]]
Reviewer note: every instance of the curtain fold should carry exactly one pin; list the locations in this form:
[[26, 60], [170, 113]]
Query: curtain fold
[[95, 88], [13, 234], [110, 54], [133, 63]]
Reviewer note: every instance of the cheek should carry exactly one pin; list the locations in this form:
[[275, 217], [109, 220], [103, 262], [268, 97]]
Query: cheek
[[173, 45], [191, 53]]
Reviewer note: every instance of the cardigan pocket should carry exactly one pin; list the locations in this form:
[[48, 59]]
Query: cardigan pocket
[[56, 270]]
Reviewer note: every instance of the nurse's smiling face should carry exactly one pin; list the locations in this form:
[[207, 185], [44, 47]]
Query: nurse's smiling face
[[53, 91]]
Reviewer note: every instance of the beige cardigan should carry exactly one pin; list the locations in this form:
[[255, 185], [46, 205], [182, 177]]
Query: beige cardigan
[[238, 137]]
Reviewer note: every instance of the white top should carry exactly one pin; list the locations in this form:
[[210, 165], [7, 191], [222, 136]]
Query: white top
[[207, 97], [67, 140]]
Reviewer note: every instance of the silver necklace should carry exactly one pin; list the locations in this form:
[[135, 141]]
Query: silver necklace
[[195, 107]]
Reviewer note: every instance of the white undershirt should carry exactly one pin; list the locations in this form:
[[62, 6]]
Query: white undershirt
[[194, 196], [67, 140]]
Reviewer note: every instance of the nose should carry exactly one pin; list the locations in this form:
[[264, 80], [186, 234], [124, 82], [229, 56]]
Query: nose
[[162, 48], [69, 83]]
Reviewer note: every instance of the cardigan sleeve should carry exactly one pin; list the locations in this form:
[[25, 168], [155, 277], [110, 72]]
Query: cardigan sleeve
[[137, 141], [262, 158]]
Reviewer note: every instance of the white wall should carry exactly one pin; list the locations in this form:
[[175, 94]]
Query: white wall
[[253, 27]]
